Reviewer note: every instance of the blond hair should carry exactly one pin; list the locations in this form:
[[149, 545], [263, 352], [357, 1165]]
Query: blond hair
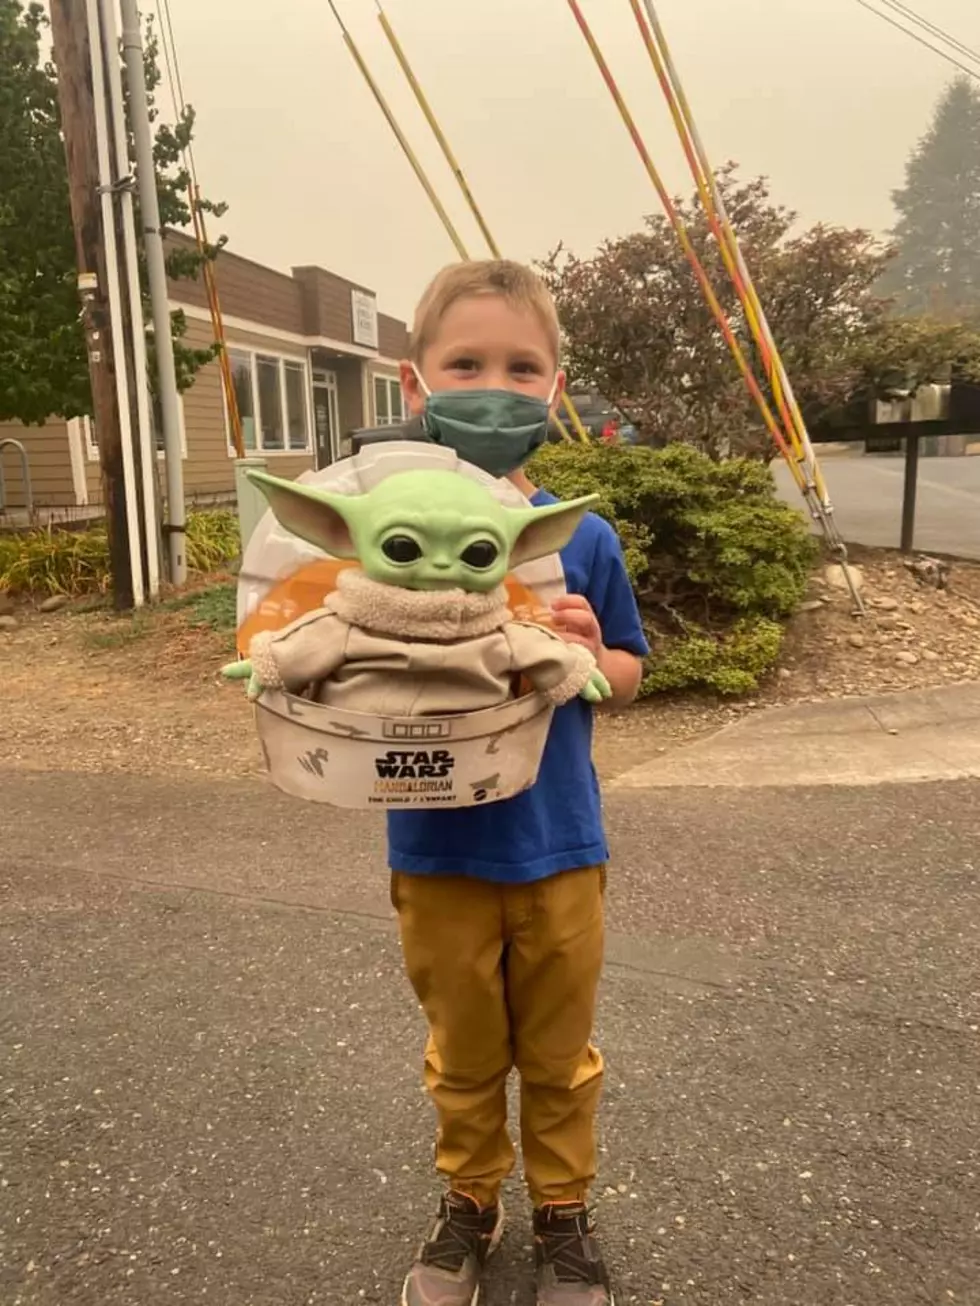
[[518, 285]]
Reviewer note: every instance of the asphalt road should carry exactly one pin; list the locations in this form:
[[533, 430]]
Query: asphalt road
[[210, 1078], [867, 496]]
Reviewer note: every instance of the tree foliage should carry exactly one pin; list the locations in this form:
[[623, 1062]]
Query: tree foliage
[[937, 265], [638, 328], [43, 363], [43, 366], [717, 561]]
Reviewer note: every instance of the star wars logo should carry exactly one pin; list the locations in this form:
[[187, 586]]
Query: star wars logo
[[415, 764]]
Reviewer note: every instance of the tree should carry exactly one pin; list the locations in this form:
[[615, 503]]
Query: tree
[[637, 326], [937, 264], [43, 362], [43, 365]]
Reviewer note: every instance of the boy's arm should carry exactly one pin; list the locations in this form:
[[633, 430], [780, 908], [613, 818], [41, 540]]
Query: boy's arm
[[606, 619], [624, 671], [580, 624]]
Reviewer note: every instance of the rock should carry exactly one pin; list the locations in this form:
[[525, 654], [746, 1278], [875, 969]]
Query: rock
[[971, 623], [856, 641], [907, 658], [811, 605], [886, 603], [929, 656], [836, 577], [6, 604], [916, 606], [55, 603], [785, 673], [8, 623], [930, 571]]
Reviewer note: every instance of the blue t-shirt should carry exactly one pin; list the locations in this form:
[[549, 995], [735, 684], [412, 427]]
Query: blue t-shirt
[[557, 824]]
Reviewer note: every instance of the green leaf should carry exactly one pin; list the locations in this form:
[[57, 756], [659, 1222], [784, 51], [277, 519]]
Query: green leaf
[[43, 362]]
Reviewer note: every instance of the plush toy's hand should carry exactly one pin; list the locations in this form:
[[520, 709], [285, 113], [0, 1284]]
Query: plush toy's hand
[[597, 689], [242, 670]]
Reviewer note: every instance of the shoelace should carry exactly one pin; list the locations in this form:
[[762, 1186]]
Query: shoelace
[[458, 1238], [568, 1253]]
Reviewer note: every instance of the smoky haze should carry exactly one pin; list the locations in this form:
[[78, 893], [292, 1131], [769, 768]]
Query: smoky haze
[[818, 95]]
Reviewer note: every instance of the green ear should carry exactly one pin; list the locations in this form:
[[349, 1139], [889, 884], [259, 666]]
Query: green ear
[[541, 531], [323, 520]]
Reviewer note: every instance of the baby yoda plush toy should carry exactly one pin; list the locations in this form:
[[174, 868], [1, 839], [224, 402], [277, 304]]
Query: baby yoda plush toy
[[422, 628]]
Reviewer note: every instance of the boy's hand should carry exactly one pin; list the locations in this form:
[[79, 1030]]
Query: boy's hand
[[242, 670], [577, 623]]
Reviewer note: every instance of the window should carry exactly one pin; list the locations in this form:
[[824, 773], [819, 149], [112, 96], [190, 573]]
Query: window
[[270, 404], [241, 376], [273, 402], [156, 418], [389, 406], [296, 425]]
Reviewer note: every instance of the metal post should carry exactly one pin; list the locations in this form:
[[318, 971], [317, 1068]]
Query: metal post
[[141, 377], [911, 489], [120, 340], [159, 295]]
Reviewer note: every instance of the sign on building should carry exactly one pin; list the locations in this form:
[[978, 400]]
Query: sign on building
[[364, 308]]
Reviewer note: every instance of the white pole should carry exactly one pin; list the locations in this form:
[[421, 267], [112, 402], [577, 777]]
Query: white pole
[[159, 295], [110, 33], [115, 300]]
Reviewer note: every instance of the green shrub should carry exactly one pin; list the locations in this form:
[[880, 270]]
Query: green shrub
[[213, 539], [717, 561], [50, 561], [53, 560]]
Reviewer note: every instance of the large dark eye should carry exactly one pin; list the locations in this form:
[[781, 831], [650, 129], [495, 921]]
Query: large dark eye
[[481, 554], [401, 548]]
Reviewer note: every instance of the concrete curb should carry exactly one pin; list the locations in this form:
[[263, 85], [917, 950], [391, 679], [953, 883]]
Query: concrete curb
[[919, 736]]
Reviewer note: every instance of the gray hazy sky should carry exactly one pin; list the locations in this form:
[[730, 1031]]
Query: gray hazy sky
[[818, 95]]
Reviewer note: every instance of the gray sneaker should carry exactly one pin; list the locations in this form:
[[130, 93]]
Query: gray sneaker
[[450, 1264], [570, 1268]]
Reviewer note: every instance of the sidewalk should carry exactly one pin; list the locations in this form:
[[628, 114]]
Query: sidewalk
[[931, 734]]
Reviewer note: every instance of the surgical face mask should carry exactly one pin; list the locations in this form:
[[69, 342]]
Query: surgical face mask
[[495, 430]]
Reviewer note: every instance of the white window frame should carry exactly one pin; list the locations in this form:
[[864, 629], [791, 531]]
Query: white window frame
[[391, 381], [92, 449], [300, 360], [325, 379]]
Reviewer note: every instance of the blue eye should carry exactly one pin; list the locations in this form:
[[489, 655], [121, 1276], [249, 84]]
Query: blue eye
[[481, 555], [401, 549]]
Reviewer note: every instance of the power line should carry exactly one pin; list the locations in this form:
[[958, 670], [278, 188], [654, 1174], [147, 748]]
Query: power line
[[933, 28], [172, 61], [970, 72]]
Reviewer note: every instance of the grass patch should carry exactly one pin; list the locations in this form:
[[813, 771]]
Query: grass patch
[[120, 633], [215, 607]]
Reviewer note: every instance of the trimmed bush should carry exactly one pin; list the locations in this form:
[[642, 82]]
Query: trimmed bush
[[718, 562]]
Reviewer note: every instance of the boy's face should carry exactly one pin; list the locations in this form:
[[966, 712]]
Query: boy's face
[[486, 343]]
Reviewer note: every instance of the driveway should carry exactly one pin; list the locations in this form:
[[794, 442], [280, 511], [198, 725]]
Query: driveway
[[867, 496]]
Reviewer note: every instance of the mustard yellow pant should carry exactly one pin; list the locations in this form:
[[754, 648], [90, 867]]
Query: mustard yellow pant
[[507, 977]]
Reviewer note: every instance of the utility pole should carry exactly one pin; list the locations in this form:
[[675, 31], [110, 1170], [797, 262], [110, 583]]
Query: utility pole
[[159, 296], [73, 59], [144, 445]]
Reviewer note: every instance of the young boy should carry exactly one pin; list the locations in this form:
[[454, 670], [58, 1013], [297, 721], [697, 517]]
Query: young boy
[[500, 908]]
